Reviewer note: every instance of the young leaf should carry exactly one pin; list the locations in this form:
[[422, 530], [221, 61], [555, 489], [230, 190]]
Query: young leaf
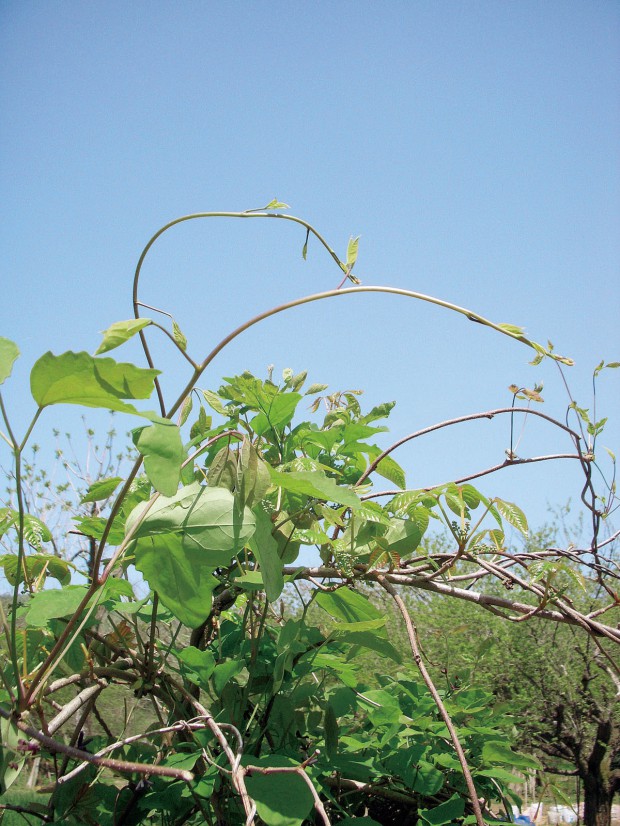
[[120, 332], [214, 402], [315, 388], [101, 489], [265, 549], [275, 204], [222, 471], [253, 479], [186, 409], [162, 448], [304, 252], [352, 251], [513, 515], [78, 378], [177, 335], [512, 329], [9, 351]]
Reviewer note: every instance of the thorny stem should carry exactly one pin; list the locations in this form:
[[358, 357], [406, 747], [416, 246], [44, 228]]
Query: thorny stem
[[417, 656]]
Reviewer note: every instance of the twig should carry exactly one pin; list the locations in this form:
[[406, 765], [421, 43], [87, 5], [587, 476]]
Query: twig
[[415, 650]]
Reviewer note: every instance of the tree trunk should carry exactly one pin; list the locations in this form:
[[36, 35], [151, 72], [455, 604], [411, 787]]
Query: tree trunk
[[597, 799]]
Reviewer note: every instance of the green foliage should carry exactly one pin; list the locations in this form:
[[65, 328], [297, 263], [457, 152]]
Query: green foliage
[[260, 698]]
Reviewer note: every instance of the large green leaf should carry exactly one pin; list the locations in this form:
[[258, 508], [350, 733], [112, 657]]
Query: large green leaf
[[403, 536], [277, 415], [162, 448], [183, 577], [47, 605], [265, 549], [348, 605], [9, 351], [79, 378], [315, 484], [281, 799], [119, 332], [498, 752], [367, 639], [445, 812], [207, 519]]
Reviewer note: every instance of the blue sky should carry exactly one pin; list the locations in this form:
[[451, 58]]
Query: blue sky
[[472, 145]]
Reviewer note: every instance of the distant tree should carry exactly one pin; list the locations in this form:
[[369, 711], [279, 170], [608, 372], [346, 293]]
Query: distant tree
[[562, 684]]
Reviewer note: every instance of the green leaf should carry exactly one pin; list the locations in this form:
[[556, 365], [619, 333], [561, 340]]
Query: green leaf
[[101, 489], [11, 757], [78, 378], [330, 726], [367, 639], [316, 485], [445, 812], [253, 479], [201, 663], [402, 537], [265, 549], [9, 351], [177, 335], [207, 519], [201, 426], [183, 577], [392, 471], [36, 565], [358, 821], [281, 799], [315, 388], [275, 204], [224, 672], [120, 332], [162, 448], [499, 752], [279, 413], [47, 605], [214, 402], [222, 471], [512, 329], [500, 774], [186, 409], [352, 248], [348, 605], [427, 779], [513, 515]]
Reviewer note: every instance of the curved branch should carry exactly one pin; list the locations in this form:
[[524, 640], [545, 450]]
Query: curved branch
[[506, 463], [308, 299], [489, 414]]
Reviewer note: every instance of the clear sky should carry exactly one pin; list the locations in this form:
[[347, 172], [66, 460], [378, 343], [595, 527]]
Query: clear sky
[[472, 144]]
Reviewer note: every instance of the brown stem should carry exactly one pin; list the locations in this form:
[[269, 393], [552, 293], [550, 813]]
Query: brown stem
[[417, 656]]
